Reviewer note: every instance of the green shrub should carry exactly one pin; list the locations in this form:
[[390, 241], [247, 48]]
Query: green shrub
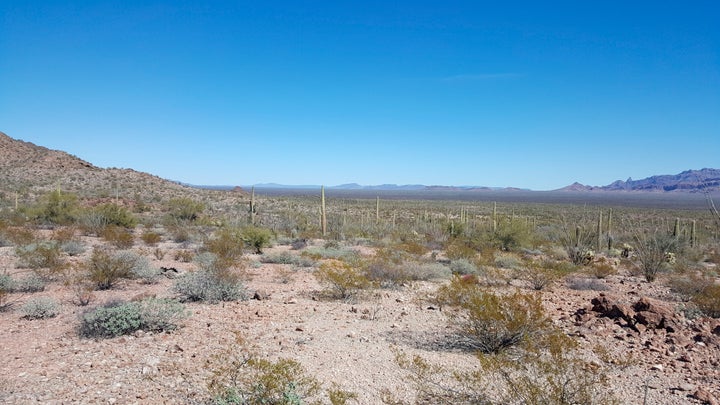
[[115, 215], [651, 251], [343, 279], [106, 268], [30, 284], [7, 283], [44, 254], [72, 248], [57, 208], [240, 377], [287, 258], [227, 246], [158, 315], [708, 300], [151, 238], [43, 257], [40, 308], [184, 209], [256, 238], [118, 236], [318, 253], [489, 322], [122, 318], [210, 286], [463, 266]]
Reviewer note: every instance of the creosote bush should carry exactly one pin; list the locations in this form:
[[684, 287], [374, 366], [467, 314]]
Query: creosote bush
[[343, 279], [240, 377], [118, 236], [44, 257], [256, 238], [115, 215], [489, 322], [106, 268], [651, 251], [708, 300]]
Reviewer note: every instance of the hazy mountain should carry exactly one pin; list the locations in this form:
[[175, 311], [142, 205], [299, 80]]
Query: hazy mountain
[[693, 181]]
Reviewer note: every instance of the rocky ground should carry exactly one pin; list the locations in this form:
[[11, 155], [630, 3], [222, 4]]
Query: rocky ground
[[654, 354]]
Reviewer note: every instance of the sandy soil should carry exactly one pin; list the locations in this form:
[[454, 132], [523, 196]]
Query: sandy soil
[[353, 344]]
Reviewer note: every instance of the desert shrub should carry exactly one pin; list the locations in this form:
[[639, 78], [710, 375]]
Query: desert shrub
[[64, 234], [19, 236], [602, 268], [160, 315], [210, 286], [122, 318], [240, 377], [489, 322], [227, 246], [299, 243], [578, 242], [151, 238], [43, 257], [118, 236], [526, 359], [57, 208], [72, 247], [184, 209], [318, 253], [30, 284], [425, 271], [463, 266], [40, 308], [513, 235], [651, 251], [508, 261], [141, 268], [256, 238], [458, 248], [7, 283], [386, 274], [689, 285], [583, 284], [185, 256], [116, 215], [287, 258], [539, 275], [708, 301], [343, 279], [106, 268]]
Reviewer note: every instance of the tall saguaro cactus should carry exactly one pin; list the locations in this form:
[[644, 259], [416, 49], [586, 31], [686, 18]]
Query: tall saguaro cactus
[[599, 232], [494, 217], [377, 210], [323, 217], [251, 211], [609, 229]]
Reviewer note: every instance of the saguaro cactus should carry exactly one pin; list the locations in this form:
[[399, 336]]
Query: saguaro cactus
[[609, 229], [599, 231], [323, 217], [251, 210], [494, 217], [377, 210]]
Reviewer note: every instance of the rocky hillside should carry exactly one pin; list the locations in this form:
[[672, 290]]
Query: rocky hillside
[[28, 170], [694, 181]]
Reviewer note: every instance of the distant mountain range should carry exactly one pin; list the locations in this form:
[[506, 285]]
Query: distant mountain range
[[693, 181], [25, 167]]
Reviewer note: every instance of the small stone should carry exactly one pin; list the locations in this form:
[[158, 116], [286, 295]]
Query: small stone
[[704, 396], [657, 367]]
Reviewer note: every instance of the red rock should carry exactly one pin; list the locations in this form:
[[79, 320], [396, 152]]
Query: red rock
[[705, 397]]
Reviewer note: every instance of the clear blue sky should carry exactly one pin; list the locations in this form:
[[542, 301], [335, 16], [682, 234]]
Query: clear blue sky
[[525, 94]]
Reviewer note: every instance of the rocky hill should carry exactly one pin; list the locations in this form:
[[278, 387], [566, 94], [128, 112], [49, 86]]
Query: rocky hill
[[694, 181], [27, 170]]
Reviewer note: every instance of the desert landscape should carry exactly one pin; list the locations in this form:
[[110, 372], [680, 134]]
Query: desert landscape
[[119, 287]]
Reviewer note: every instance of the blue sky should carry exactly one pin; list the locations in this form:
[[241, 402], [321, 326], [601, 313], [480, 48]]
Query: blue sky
[[525, 94]]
